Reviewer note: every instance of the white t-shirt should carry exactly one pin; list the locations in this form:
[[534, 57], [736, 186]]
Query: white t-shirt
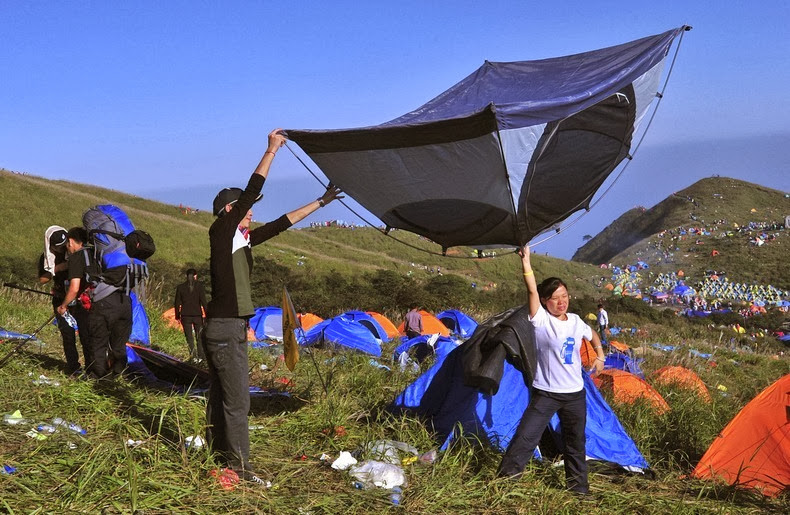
[[558, 342]]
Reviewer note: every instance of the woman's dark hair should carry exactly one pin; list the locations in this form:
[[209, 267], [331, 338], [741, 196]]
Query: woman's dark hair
[[191, 271], [547, 288]]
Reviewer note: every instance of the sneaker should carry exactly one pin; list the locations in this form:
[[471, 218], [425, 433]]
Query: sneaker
[[254, 479]]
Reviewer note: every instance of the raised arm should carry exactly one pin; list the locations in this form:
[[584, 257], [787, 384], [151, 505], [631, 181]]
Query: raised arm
[[331, 193], [529, 280], [276, 140]]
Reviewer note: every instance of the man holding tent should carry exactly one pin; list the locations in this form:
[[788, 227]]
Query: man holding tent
[[225, 336]]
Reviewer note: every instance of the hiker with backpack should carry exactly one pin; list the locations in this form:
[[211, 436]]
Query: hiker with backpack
[[558, 384], [190, 307], [114, 266], [230, 308], [53, 267]]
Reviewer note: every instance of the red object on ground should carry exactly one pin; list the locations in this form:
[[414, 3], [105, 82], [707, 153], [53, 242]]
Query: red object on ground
[[227, 478]]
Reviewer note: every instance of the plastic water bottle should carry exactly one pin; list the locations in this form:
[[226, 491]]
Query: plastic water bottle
[[567, 350], [45, 428], [69, 425], [69, 318], [396, 496]]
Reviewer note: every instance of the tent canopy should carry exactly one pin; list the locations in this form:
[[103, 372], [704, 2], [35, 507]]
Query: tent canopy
[[490, 160]]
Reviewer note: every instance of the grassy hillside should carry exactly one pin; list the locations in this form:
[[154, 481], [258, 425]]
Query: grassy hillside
[[306, 260], [716, 204], [134, 458]]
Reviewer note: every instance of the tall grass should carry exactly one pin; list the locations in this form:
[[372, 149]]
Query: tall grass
[[101, 472]]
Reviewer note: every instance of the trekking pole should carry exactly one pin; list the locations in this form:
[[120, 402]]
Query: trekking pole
[[315, 364], [25, 340], [17, 287]]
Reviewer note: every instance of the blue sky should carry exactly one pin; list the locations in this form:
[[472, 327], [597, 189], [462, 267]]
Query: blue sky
[[173, 100]]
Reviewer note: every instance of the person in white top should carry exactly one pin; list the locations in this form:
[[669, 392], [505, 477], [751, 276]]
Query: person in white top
[[603, 320], [558, 386]]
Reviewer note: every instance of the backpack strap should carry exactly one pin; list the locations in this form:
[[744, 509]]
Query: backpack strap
[[116, 235]]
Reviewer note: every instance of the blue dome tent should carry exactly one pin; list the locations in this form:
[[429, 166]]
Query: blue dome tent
[[441, 396], [340, 332], [441, 347], [458, 322], [267, 323], [368, 321]]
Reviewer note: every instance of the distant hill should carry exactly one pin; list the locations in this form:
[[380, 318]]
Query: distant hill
[[716, 205]]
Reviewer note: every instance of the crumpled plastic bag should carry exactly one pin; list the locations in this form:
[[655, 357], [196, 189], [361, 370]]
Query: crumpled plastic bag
[[380, 474], [406, 363], [344, 461], [387, 450]]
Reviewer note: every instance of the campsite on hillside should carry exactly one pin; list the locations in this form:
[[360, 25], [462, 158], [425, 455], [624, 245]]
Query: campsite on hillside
[[359, 258]]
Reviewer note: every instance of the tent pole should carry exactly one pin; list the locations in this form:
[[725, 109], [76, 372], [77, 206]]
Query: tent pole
[[24, 341]]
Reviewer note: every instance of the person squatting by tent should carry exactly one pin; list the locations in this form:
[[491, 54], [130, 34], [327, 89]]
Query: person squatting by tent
[[53, 267], [230, 308], [558, 386], [109, 309], [190, 306]]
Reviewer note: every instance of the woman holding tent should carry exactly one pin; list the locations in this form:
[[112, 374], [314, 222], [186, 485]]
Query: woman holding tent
[[558, 386]]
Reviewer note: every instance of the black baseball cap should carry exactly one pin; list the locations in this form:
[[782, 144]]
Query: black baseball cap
[[228, 196], [57, 238]]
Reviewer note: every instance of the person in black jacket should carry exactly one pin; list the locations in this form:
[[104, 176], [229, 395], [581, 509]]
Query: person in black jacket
[[190, 306], [53, 267], [230, 308]]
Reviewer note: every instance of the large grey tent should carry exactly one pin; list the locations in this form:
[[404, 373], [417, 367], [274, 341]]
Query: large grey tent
[[505, 154]]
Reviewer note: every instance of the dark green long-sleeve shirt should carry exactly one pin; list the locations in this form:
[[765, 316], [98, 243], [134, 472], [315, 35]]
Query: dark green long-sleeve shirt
[[231, 255]]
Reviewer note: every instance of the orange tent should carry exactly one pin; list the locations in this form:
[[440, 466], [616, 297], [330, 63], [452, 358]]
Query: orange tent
[[628, 388], [308, 320], [682, 377], [588, 353], [754, 449], [609, 286], [430, 325], [169, 317], [389, 327], [619, 346]]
